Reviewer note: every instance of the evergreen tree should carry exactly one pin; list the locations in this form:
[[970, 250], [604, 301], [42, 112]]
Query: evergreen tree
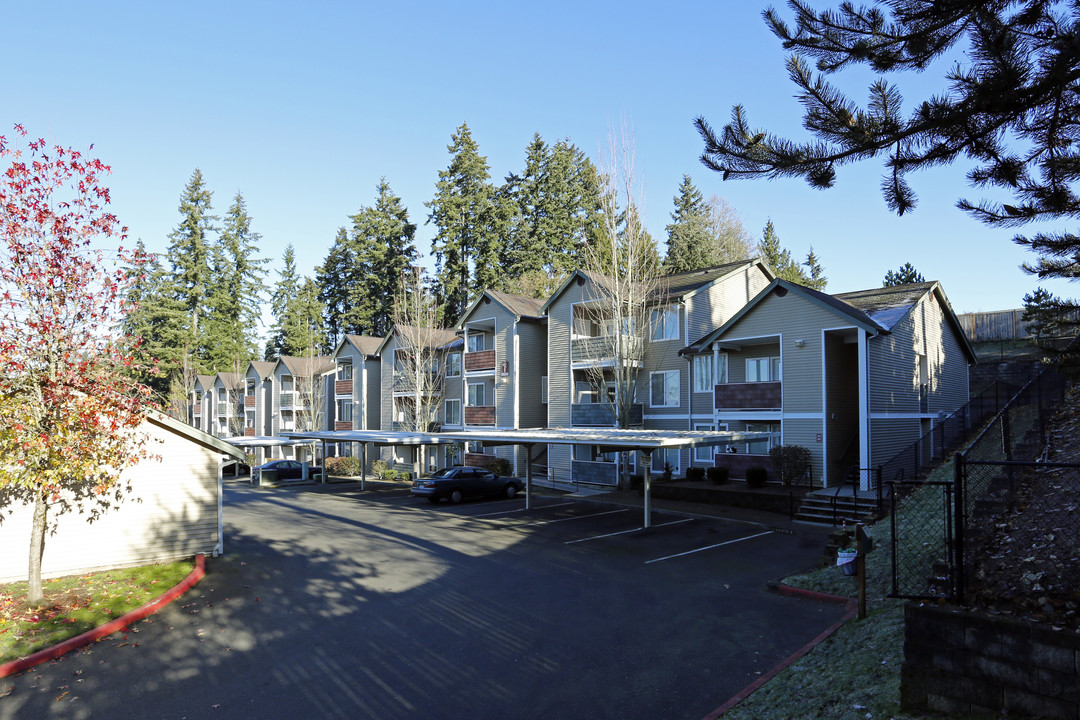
[[815, 274], [159, 319], [340, 289], [689, 246], [234, 298], [189, 256], [466, 248], [905, 275], [1012, 108], [286, 289], [303, 331]]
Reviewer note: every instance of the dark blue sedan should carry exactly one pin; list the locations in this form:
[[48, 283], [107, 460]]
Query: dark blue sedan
[[456, 483]]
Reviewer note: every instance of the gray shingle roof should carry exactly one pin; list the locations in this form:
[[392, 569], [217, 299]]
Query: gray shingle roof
[[520, 305], [366, 344]]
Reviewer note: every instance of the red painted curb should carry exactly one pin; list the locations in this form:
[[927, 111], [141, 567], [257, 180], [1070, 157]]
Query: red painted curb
[[852, 608], [17, 666]]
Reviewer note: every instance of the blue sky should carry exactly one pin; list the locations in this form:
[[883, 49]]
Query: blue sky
[[304, 106]]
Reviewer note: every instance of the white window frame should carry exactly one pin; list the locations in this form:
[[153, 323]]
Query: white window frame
[[769, 426], [668, 386], [341, 404], [666, 455], [770, 364], [453, 364], [475, 342], [704, 382], [483, 395], [665, 323], [342, 365], [454, 402]]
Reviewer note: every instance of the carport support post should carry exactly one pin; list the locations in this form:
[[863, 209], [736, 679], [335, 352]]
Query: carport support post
[[647, 461], [363, 464], [528, 475]]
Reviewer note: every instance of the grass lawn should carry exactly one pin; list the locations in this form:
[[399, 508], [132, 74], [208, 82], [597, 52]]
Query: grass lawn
[[78, 603], [856, 672]]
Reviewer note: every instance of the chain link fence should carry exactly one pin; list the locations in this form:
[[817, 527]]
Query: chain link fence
[[940, 520]]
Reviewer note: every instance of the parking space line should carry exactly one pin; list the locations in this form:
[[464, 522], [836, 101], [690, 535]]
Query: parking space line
[[710, 547], [521, 510], [624, 532], [576, 517]]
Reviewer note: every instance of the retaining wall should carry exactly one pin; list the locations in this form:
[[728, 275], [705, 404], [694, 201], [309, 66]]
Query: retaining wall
[[956, 661]]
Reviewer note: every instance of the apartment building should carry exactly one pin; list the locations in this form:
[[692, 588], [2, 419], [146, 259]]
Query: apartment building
[[357, 380]]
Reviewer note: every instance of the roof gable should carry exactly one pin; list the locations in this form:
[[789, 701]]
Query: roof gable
[[366, 345]]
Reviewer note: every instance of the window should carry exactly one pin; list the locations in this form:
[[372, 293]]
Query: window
[[664, 389], [476, 342], [763, 369], [344, 410], [703, 373], [344, 370], [543, 390], [665, 323], [250, 387], [249, 419], [704, 453], [665, 456], [453, 364], [761, 447], [476, 394], [452, 412]]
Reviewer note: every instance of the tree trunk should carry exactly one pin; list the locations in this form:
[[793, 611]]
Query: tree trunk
[[37, 549]]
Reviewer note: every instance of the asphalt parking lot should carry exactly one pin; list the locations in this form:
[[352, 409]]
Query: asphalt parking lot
[[332, 602]]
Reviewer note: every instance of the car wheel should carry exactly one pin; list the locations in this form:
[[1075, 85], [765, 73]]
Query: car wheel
[[511, 490], [433, 500], [455, 496]]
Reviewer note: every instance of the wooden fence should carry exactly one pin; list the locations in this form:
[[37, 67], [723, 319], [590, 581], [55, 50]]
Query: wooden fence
[[997, 325]]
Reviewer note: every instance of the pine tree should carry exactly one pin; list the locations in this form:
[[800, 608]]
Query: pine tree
[[159, 319], [286, 288], [467, 250], [689, 246], [303, 331], [906, 274], [777, 257], [234, 299], [189, 255], [340, 288], [815, 274]]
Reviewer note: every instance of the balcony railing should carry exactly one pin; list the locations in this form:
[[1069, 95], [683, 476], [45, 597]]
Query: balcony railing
[[287, 399], [343, 387], [595, 472], [197, 410], [343, 425], [601, 415], [405, 384], [749, 396], [222, 409], [479, 360], [479, 414], [249, 401], [603, 349]]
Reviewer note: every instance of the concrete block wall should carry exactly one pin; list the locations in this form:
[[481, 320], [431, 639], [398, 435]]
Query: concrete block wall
[[956, 661]]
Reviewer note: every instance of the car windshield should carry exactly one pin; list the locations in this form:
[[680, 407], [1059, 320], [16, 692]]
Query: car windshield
[[445, 472]]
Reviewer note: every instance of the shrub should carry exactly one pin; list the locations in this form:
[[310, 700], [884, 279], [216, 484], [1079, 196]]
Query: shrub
[[718, 475], [756, 476], [342, 466], [790, 462], [668, 471], [383, 471], [695, 474], [500, 466]]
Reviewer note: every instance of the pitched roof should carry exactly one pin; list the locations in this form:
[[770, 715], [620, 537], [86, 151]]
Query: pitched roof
[[317, 365], [194, 434], [681, 284], [231, 380], [520, 305], [207, 381], [262, 367], [366, 344], [441, 339], [887, 305], [779, 286]]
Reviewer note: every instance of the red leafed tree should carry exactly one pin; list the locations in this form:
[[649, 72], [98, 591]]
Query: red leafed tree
[[69, 409]]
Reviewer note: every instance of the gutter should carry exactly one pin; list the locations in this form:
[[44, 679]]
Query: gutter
[[219, 548]]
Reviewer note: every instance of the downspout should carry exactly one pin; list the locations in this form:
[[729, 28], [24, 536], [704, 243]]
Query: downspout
[[864, 411], [517, 397], [219, 548]]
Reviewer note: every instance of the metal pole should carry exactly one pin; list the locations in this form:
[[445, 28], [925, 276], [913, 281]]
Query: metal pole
[[648, 466], [860, 569], [958, 525], [363, 464], [528, 475]]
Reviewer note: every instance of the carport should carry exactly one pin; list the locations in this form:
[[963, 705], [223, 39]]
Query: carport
[[611, 439], [264, 441], [379, 438]]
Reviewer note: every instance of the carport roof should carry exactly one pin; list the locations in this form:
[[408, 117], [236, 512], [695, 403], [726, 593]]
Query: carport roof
[[264, 441], [611, 438]]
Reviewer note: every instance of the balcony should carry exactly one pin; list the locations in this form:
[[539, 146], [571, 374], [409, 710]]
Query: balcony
[[343, 387], [343, 425], [479, 360], [249, 401], [223, 409], [287, 398], [749, 396], [249, 432], [601, 350], [601, 415], [196, 410], [479, 414], [404, 385]]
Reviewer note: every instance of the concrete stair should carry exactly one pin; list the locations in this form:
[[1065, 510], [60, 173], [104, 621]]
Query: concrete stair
[[818, 509]]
